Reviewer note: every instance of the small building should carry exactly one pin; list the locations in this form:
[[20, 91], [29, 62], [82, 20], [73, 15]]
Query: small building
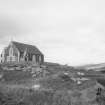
[[20, 52]]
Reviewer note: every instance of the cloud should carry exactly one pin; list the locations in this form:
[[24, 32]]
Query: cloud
[[10, 27], [67, 31]]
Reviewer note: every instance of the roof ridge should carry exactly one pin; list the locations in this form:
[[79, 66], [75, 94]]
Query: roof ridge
[[22, 43], [30, 48]]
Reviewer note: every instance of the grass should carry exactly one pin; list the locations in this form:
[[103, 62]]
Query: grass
[[101, 81], [27, 96], [56, 83], [56, 88], [16, 76], [23, 96]]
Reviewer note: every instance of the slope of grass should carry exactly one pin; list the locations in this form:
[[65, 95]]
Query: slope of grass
[[16, 77], [57, 83], [23, 96], [55, 88]]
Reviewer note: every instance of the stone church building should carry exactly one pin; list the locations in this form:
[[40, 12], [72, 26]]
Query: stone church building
[[20, 52]]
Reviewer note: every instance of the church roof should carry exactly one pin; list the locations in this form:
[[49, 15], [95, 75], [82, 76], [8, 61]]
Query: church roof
[[30, 48]]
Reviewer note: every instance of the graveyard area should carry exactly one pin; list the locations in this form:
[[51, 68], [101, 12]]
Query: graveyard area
[[50, 84]]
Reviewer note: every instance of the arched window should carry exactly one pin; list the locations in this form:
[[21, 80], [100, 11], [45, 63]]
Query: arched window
[[11, 51], [40, 58], [34, 58]]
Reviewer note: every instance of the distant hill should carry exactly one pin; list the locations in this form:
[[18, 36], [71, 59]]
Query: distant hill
[[97, 67]]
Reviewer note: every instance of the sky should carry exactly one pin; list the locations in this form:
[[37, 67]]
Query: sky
[[66, 31]]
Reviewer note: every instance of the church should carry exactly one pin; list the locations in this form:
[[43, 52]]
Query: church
[[20, 52]]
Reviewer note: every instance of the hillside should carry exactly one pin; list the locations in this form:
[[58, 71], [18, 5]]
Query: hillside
[[48, 83], [97, 67], [52, 90]]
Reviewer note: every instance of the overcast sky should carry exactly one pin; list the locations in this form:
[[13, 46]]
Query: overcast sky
[[66, 31]]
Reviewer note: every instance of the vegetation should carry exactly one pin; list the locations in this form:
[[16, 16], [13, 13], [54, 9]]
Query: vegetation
[[25, 97], [56, 88]]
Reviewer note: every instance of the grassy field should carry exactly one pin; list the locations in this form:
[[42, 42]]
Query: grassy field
[[52, 91], [21, 88]]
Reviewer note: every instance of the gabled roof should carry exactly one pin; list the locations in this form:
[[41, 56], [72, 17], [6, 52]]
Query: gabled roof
[[30, 48]]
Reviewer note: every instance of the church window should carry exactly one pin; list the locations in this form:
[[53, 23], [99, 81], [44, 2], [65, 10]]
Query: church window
[[11, 51]]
